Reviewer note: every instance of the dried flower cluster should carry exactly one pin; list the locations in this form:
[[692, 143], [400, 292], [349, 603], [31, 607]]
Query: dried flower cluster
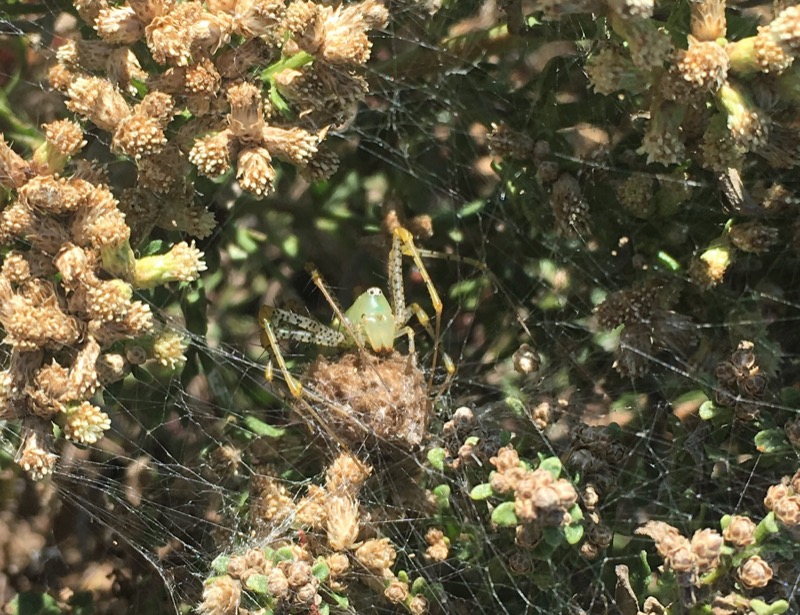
[[783, 500], [647, 325], [332, 522], [538, 497], [67, 286], [707, 70], [686, 558], [740, 382], [258, 80]]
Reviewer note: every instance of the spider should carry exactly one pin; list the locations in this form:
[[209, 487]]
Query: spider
[[373, 387], [370, 320]]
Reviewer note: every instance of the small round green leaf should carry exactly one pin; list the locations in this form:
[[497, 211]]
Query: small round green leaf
[[481, 492], [504, 515]]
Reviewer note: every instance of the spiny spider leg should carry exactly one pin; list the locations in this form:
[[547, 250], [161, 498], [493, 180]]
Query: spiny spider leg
[[311, 331], [416, 311], [295, 388], [403, 244], [484, 269]]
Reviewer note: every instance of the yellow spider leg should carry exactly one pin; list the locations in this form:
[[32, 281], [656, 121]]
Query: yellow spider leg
[[422, 317], [407, 247], [319, 282], [295, 387], [484, 269]]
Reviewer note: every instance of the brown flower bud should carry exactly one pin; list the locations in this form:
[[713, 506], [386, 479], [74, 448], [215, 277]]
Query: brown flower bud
[[707, 547], [396, 592], [740, 531], [787, 510], [277, 583], [754, 573], [221, 597]]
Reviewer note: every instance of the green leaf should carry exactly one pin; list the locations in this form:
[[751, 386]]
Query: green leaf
[[708, 410], [436, 457], [516, 406], [504, 515], [284, 554], [33, 603], [220, 564], [341, 601], [772, 441], [762, 608], [419, 585], [481, 492], [765, 527], [552, 536], [260, 428], [442, 493], [320, 569], [573, 533], [472, 208], [552, 465], [258, 583]]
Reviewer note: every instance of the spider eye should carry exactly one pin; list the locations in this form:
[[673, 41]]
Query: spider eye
[[374, 291]]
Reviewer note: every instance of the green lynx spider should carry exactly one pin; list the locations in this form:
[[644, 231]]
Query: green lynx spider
[[371, 320]]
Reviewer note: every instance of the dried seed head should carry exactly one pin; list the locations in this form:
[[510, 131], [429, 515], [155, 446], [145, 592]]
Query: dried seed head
[[212, 154], [740, 531], [377, 554], [64, 136], [34, 459], [636, 195], [418, 605], [610, 71], [504, 141], [747, 124], [663, 142], [787, 511], [321, 166], [278, 584], [707, 548], [754, 573], [396, 592], [221, 596], [792, 430], [269, 501], [570, 209], [343, 522], [704, 65], [720, 151], [708, 20], [253, 18], [119, 25], [99, 101], [338, 564], [255, 172], [298, 574], [346, 475], [294, 145], [507, 459], [753, 236], [438, 545], [246, 119], [86, 423]]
